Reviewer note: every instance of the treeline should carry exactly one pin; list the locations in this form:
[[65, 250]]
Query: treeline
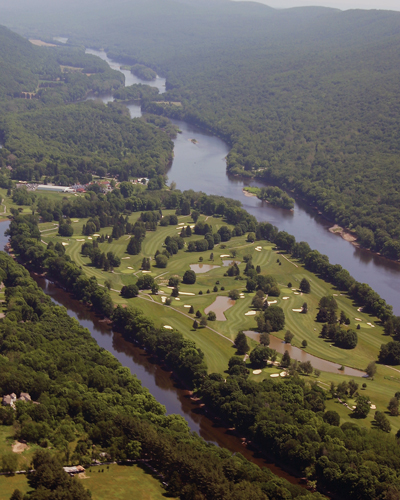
[[288, 419], [136, 92], [86, 395]]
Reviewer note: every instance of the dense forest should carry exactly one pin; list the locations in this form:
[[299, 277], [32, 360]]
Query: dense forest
[[307, 98], [66, 143]]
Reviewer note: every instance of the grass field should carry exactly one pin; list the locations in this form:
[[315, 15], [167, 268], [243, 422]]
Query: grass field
[[116, 482]]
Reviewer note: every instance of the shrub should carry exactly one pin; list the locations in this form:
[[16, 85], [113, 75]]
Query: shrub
[[189, 278]]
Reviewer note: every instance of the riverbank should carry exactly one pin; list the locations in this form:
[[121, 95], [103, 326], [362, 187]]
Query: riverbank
[[346, 234]]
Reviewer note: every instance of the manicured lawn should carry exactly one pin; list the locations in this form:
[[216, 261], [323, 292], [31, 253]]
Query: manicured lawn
[[122, 483]]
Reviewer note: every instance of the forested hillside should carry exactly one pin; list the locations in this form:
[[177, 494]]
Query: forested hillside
[[307, 98], [69, 142]]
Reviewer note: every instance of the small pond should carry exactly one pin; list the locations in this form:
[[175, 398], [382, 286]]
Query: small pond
[[202, 268], [219, 306]]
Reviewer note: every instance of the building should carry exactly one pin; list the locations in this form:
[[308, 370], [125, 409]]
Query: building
[[10, 399], [59, 189]]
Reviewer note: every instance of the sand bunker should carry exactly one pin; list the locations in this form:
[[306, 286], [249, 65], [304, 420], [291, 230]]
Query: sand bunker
[[257, 372], [272, 302], [186, 293], [81, 239], [146, 272], [125, 258], [274, 375], [65, 244], [96, 234], [251, 313], [130, 267], [371, 325], [167, 327], [163, 299], [176, 298], [296, 293], [283, 374], [297, 310], [358, 319], [187, 305], [224, 255], [373, 407], [75, 221], [257, 249], [294, 289], [90, 238], [285, 298]]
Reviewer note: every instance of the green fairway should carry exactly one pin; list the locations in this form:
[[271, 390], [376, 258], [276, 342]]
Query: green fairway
[[218, 351], [121, 482]]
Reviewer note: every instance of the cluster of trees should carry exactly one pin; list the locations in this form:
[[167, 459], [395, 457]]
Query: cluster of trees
[[273, 195], [143, 72], [100, 259], [334, 328], [136, 92]]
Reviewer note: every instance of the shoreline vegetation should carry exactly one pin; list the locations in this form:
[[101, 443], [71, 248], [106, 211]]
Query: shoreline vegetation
[[271, 194]]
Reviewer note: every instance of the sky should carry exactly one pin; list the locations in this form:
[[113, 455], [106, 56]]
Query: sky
[[339, 4]]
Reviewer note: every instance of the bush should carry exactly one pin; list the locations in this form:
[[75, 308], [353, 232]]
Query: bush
[[275, 315], [212, 316], [65, 230], [233, 294]]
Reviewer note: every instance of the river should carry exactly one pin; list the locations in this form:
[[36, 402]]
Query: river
[[201, 166]]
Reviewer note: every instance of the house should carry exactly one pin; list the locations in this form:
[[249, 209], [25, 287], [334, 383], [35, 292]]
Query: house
[[76, 469], [10, 399]]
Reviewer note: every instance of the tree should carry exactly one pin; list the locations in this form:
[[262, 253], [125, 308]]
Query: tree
[[275, 315], [382, 422], [304, 344], [371, 370], [288, 336], [305, 286], [191, 310], [203, 321], [393, 407], [251, 237], [234, 294], [353, 387], [241, 343], [129, 291], [65, 230], [189, 278], [9, 462], [161, 261], [286, 360], [362, 407], [17, 495], [305, 308], [264, 339], [332, 418], [195, 324], [259, 356], [306, 367]]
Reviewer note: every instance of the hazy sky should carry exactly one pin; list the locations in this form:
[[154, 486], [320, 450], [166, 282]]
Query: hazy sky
[[339, 4]]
